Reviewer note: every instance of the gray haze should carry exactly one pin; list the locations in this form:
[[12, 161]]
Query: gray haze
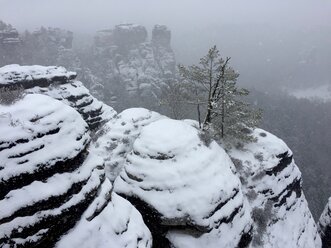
[[86, 15], [269, 38]]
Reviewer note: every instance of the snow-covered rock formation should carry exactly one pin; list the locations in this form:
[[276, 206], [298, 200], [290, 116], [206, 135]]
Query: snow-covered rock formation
[[9, 44], [324, 225], [50, 185], [272, 184], [46, 46], [114, 141], [60, 84], [185, 188], [133, 65], [54, 191]]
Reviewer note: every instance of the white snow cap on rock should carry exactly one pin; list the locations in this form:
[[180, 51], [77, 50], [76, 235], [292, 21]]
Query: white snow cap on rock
[[14, 73], [117, 137], [49, 183], [34, 127], [118, 225], [272, 183], [58, 83], [74, 94], [190, 183]]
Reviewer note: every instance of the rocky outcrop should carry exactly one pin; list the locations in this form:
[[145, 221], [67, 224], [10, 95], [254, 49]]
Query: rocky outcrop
[[123, 67], [184, 186], [324, 225], [272, 184], [191, 193], [54, 36], [51, 185], [9, 44], [134, 66], [45, 182], [115, 140], [45, 46], [8, 34], [161, 36], [119, 224], [60, 84]]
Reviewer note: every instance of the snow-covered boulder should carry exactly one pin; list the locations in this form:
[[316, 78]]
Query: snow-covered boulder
[[272, 183], [31, 76], [114, 141], [324, 225], [185, 188], [60, 84], [45, 177], [50, 185], [118, 225]]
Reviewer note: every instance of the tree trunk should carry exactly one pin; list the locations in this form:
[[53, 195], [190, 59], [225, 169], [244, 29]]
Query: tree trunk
[[199, 118]]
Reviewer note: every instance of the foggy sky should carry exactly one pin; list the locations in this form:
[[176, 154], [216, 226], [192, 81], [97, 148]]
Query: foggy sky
[[270, 41], [89, 16]]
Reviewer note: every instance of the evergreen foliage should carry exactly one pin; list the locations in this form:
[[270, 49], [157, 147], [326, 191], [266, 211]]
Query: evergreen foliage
[[212, 87]]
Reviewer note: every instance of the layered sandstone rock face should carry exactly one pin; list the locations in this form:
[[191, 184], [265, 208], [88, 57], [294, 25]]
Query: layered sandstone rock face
[[60, 84], [135, 67], [50, 185], [173, 185], [185, 188], [47, 177], [9, 44], [272, 184], [324, 225]]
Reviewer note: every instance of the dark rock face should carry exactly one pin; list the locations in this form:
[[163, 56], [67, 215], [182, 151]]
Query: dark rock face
[[135, 67], [126, 36], [272, 184], [56, 36], [123, 67], [324, 225], [45, 46], [8, 34], [166, 177], [161, 36], [9, 44], [50, 183], [60, 84]]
